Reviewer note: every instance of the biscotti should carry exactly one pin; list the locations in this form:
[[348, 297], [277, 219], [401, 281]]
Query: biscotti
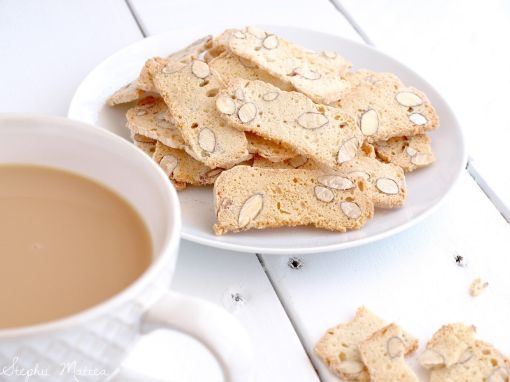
[[318, 132], [247, 198], [143, 84], [338, 348], [146, 144], [409, 153], [182, 168], [189, 91], [318, 75], [383, 355], [268, 149], [150, 118], [384, 108]]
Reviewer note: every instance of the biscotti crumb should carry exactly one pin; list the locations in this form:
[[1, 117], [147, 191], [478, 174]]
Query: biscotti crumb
[[477, 287]]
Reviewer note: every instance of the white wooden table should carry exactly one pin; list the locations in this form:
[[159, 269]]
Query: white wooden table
[[286, 303]]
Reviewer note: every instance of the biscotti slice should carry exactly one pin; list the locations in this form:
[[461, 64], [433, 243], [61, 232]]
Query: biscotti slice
[[481, 363], [318, 75], [268, 149], [297, 162], [318, 132], [229, 66], [383, 355], [182, 168], [143, 84], [448, 346], [150, 118], [386, 108], [338, 348], [247, 197], [410, 153], [189, 91]]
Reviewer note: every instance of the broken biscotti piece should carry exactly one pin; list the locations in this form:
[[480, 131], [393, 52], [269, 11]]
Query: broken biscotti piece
[[189, 90], [448, 346], [383, 355], [385, 108], [150, 118], [247, 197], [229, 66], [318, 75], [138, 88], [318, 132], [338, 348], [182, 168], [410, 153]]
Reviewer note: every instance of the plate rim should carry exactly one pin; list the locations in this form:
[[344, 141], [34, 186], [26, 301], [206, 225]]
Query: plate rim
[[211, 242]]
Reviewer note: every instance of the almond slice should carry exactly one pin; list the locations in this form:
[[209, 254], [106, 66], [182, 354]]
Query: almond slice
[[247, 112], [168, 163], [411, 151], [259, 33], [213, 173], [173, 67], [312, 120], [207, 140], [270, 96], [141, 112], [347, 150], [336, 182], [350, 209], [225, 105], [240, 35], [387, 186], [421, 159], [307, 73], [395, 347], [369, 122], [408, 99], [239, 94], [297, 161], [200, 69], [250, 209], [418, 119], [324, 194], [270, 42], [431, 359], [351, 368]]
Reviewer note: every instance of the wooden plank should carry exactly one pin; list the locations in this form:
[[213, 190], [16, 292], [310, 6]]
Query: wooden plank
[[411, 279], [157, 16], [236, 282], [461, 48], [48, 47], [41, 66]]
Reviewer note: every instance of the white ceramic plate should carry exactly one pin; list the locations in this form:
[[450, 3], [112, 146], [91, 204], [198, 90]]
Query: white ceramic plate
[[426, 187]]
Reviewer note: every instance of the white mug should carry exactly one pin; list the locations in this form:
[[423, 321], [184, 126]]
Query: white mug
[[91, 345]]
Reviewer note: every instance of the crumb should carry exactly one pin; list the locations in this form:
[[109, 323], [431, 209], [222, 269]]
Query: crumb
[[477, 286]]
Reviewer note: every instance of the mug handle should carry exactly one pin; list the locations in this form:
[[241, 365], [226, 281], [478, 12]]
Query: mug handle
[[218, 330]]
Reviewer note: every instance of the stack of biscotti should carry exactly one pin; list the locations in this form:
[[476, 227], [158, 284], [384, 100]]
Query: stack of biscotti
[[287, 136]]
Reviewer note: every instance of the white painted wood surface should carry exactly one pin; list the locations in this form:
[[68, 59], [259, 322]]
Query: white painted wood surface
[[461, 47], [48, 47]]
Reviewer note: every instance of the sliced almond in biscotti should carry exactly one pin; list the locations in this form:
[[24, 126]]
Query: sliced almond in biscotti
[[410, 153], [338, 347], [318, 76], [448, 346], [182, 168], [383, 355], [318, 132], [151, 118], [143, 84], [384, 107], [479, 362], [146, 144], [268, 149], [191, 100], [229, 66], [257, 198]]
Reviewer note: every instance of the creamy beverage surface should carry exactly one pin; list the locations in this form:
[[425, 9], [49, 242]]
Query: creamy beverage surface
[[67, 243]]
